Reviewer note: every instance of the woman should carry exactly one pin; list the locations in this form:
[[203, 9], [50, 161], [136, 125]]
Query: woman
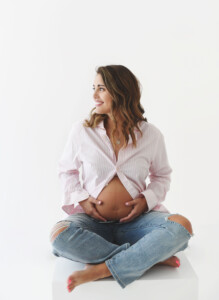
[[116, 224]]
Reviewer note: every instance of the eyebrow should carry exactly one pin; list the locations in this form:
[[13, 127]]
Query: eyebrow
[[100, 85]]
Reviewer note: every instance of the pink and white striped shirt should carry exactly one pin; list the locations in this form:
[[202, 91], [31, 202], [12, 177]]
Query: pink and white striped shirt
[[91, 149]]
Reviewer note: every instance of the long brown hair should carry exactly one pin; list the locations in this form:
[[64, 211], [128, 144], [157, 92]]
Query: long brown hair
[[125, 89]]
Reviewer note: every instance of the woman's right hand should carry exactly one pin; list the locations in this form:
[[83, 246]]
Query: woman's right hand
[[89, 206]]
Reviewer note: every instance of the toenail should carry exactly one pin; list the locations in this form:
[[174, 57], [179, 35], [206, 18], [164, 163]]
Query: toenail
[[178, 263]]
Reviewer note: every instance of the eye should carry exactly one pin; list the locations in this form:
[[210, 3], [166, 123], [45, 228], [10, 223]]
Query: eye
[[99, 88]]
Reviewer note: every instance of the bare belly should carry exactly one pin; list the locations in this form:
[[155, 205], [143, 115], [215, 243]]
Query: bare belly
[[113, 198]]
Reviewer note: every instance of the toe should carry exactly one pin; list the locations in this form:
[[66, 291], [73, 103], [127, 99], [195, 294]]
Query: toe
[[69, 281], [68, 288], [69, 284], [177, 261]]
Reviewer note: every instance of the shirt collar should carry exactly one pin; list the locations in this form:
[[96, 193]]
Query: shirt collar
[[101, 126], [136, 132]]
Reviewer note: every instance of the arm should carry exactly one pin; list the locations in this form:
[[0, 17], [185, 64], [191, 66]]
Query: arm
[[68, 173], [159, 176]]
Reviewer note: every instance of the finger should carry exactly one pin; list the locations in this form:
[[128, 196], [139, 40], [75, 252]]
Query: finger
[[95, 201], [127, 220], [130, 203], [129, 217], [97, 215]]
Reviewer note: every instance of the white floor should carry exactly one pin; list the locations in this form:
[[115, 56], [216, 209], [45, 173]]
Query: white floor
[[26, 271]]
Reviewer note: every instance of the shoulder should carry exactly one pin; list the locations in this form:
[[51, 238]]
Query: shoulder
[[76, 128], [150, 129]]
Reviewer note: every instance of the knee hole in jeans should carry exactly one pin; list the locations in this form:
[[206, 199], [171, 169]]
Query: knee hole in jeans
[[58, 228], [183, 221]]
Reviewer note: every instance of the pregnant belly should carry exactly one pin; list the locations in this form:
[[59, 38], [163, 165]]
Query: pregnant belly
[[113, 198]]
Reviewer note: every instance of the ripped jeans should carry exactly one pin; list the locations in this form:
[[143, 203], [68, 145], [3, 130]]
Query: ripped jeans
[[128, 249]]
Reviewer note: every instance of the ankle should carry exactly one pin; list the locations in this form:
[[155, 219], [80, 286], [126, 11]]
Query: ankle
[[104, 270]]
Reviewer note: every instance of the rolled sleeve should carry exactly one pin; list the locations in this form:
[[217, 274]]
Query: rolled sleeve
[[159, 175], [68, 173]]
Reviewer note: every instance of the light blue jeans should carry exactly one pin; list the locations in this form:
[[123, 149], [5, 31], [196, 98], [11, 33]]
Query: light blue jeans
[[128, 249]]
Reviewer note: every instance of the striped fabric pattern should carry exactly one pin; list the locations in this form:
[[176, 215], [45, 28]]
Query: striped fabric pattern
[[89, 150]]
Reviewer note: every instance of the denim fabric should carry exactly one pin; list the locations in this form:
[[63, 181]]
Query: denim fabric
[[128, 249]]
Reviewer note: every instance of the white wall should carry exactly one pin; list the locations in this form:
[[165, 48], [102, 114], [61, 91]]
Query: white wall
[[48, 54]]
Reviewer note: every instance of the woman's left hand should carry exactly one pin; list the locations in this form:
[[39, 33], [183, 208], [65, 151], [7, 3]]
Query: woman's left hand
[[139, 206]]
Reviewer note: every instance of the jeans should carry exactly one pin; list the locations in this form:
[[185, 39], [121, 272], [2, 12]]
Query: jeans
[[128, 249]]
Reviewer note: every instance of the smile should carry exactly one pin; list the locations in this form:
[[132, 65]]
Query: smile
[[98, 103]]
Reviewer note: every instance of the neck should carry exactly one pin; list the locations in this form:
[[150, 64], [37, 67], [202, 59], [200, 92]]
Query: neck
[[109, 124]]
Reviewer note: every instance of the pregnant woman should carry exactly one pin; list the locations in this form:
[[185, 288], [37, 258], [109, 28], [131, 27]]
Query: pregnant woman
[[116, 224]]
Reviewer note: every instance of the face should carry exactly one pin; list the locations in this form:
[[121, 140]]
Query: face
[[102, 98]]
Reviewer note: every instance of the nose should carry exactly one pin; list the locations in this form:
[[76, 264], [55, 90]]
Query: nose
[[95, 95]]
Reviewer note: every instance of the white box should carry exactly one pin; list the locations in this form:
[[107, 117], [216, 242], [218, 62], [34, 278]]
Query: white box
[[158, 283]]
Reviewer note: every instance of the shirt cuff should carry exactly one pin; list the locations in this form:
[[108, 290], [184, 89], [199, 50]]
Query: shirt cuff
[[78, 196], [150, 198]]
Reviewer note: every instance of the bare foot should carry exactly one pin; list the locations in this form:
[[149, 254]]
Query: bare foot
[[90, 273], [95, 272], [173, 261]]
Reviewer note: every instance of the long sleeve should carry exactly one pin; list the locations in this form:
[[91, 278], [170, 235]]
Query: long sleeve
[[68, 172], [159, 175]]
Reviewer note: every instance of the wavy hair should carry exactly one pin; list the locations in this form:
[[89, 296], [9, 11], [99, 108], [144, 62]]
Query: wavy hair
[[125, 90]]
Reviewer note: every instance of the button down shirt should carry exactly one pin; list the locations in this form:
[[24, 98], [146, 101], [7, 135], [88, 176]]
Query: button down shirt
[[90, 150]]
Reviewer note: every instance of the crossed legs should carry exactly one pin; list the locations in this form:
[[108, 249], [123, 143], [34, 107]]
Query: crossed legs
[[100, 270]]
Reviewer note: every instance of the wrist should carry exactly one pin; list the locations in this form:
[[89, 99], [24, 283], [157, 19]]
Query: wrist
[[146, 204]]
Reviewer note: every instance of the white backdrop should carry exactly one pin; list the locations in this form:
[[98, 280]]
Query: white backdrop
[[48, 55]]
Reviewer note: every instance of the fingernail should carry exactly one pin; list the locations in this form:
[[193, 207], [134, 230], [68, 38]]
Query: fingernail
[[99, 202], [69, 281], [126, 203]]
